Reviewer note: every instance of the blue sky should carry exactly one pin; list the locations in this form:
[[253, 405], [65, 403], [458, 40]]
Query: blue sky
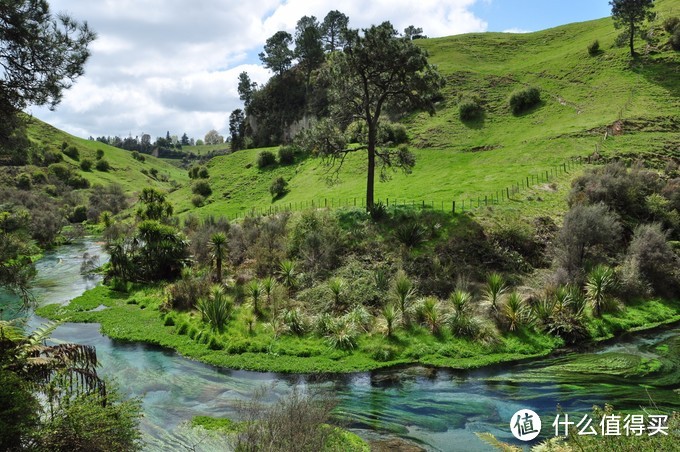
[[172, 65], [534, 15]]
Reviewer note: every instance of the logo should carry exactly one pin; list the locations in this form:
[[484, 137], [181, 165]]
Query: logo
[[525, 425]]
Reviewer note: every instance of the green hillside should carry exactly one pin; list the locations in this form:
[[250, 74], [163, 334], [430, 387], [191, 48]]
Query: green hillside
[[581, 96], [125, 170]]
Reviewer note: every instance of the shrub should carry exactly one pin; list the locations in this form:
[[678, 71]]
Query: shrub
[[469, 109], [100, 154], [183, 294], [594, 48], [77, 181], [278, 188], [654, 259], [198, 200], [39, 177], [671, 24], [586, 227], [622, 39], [202, 188], [64, 145], [24, 181], [265, 159], [169, 320], [524, 99], [109, 198], [675, 39], [72, 152], [103, 165], [295, 322], [78, 215], [60, 170], [286, 155], [355, 132], [203, 173], [86, 165]]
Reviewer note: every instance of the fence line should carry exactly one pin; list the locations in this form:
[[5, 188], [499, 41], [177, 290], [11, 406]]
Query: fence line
[[453, 206]]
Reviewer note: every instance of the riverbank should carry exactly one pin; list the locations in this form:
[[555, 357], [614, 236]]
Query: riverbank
[[137, 317]]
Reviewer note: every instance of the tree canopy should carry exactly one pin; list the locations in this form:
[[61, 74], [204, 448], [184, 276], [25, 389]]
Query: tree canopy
[[40, 56], [630, 14], [277, 54]]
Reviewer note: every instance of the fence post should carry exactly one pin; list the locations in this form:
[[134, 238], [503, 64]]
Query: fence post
[[507, 192]]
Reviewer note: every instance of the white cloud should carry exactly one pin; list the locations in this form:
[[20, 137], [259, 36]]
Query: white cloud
[[172, 65], [516, 31]]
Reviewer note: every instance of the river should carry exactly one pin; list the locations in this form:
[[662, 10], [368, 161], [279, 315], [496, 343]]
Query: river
[[440, 409]]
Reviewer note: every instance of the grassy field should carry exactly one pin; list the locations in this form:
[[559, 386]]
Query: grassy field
[[125, 170], [581, 96]]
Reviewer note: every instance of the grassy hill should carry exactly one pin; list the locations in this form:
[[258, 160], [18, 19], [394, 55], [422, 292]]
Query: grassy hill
[[125, 170], [581, 96]]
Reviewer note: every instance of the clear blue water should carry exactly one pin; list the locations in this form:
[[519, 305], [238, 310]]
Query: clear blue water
[[440, 409]]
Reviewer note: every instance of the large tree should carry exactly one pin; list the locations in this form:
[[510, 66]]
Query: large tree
[[277, 55], [40, 56], [630, 14], [237, 129], [378, 70], [246, 89], [333, 28], [308, 45]]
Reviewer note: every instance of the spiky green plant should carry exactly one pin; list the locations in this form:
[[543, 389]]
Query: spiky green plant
[[343, 335], [250, 321], [381, 278], [431, 314], [268, 286], [295, 321], [254, 291], [404, 291], [389, 313], [460, 300], [361, 318], [495, 289], [323, 324], [216, 308], [514, 311], [336, 286], [218, 250], [599, 285], [287, 274]]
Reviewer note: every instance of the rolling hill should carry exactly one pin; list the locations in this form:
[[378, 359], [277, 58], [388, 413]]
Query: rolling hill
[[581, 96]]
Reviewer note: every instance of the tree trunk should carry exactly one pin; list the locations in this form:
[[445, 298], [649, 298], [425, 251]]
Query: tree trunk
[[218, 269], [370, 177], [631, 31]]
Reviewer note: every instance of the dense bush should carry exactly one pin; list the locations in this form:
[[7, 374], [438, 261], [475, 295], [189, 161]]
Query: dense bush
[[72, 152], [654, 259], [100, 154], [594, 48], [675, 39], [469, 109], [587, 232], [60, 170], [109, 198], [185, 293], [316, 238], [78, 214], [524, 99], [86, 165], [39, 177], [24, 181], [103, 165], [198, 172], [202, 188], [286, 155], [278, 188], [198, 200], [671, 24], [265, 159]]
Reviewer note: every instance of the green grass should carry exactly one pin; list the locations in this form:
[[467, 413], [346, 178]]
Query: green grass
[[125, 170], [136, 317], [455, 160]]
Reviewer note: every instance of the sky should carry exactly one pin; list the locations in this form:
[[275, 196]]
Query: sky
[[162, 66]]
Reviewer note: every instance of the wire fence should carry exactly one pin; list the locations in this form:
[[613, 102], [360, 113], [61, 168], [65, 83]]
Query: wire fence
[[460, 205]]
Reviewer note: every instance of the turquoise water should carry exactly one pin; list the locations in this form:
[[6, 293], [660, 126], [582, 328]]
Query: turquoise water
[[440, 409]]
